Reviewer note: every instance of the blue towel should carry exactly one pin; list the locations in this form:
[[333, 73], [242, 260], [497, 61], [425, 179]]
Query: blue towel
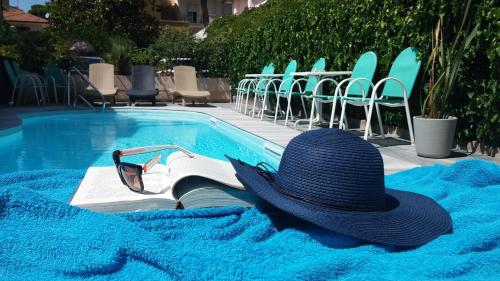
[[43, 238]]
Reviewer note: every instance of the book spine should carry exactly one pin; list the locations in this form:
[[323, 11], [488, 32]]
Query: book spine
[[178, 205]]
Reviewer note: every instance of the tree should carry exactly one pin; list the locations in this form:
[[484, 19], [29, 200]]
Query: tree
[[127, 18], [40, 10]]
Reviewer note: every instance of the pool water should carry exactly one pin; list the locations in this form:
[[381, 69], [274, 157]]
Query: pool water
[[78, 140]]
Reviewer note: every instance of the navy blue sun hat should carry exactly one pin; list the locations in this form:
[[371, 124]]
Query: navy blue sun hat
[[335, 180]]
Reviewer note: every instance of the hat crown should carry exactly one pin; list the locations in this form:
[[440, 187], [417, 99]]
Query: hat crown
[[334, 168]]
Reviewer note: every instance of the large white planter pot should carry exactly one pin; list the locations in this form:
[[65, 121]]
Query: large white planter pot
[[434, 137]]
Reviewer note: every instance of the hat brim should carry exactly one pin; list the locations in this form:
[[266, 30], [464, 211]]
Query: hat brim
[[413, 221]]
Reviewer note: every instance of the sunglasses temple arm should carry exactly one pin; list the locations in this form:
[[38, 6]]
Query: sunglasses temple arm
[[148, 149], [153, 161]]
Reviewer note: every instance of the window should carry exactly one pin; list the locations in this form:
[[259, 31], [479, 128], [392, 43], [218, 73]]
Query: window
[[192, 17], [227, 9]]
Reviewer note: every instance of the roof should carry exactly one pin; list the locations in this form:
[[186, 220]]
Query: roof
[[13, 14]]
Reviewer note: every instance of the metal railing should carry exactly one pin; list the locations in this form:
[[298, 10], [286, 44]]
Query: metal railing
[[74, 70]]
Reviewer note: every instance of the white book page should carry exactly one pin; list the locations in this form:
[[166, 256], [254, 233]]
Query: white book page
[[103, 185], [181, 166]]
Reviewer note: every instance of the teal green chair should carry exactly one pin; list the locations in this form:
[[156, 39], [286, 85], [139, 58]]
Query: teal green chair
[[254, 85], [307, 91], [275, 86], [22, 80], [55, 78], [242, 89], [397, 89], [358, 85]]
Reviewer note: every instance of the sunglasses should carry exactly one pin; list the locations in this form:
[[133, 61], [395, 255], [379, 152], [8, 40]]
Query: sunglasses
[[131, 174]]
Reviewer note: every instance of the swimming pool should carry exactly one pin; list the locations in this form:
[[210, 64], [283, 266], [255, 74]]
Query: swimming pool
[[78, 140]]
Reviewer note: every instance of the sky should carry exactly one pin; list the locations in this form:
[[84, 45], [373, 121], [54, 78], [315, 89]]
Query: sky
[[26, 4]]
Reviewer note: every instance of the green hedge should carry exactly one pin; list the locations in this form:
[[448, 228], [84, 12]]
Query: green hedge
[[342, 30]]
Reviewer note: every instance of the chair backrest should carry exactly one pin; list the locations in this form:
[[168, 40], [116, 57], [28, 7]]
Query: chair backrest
[[10, 72], [52, 70], [268, 69], [185, 78], [364, 68], [287, 76], [404, 68], [143, 77], [17, 68], [312, 81], [102, 75]]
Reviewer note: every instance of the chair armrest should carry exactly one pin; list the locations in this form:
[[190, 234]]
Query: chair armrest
[[381, 82], [358, 81]]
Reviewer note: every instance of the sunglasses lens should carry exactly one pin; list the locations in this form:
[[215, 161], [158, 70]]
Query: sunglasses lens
[[131, 176]]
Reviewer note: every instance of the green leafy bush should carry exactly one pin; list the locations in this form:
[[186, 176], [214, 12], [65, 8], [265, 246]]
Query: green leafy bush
[[32, 49], [174, 44], [144, 56], [119, 53], [340, 31]]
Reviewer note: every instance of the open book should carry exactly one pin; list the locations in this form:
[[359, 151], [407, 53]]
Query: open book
[[184, 182]]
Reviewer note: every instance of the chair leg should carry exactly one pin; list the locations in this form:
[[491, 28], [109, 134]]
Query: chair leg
[[369, 127], [380, 124], [254, 104], [240, 102], [368, 120], [276, 108], [55, 93], [288, 109], [312, 113], [304, 107], [35, 91], [12, 102], [246, 104], [262, 107], [236, 100], [332, 116], [410, 127], [342, 115]]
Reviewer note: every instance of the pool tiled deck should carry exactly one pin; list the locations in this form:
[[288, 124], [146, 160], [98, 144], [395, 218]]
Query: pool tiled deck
[[398, 154]]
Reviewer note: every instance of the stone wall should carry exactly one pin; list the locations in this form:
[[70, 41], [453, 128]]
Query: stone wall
[[218, 88]]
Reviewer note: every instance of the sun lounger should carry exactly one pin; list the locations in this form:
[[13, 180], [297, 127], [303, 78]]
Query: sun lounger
[[186, 85], [102, 76], [143, 85]]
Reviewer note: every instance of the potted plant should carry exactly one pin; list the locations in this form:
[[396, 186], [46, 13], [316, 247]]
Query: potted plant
[[435, 129]]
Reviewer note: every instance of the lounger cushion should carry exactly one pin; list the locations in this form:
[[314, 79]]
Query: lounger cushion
[[142, 93], [191, 94], [104, 92]]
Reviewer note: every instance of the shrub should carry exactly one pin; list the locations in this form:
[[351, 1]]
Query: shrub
[[144, 56], [119, 53], [174, 44]]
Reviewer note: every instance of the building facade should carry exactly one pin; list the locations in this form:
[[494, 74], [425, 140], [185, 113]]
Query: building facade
[[241, 5], [17, 18], [189, 13]]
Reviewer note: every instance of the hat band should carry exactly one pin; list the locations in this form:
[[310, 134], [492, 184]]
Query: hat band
[[359, 208], [263, 171]]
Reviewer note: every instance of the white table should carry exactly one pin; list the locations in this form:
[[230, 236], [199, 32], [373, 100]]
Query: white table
[[263, 75], [319, 75]]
